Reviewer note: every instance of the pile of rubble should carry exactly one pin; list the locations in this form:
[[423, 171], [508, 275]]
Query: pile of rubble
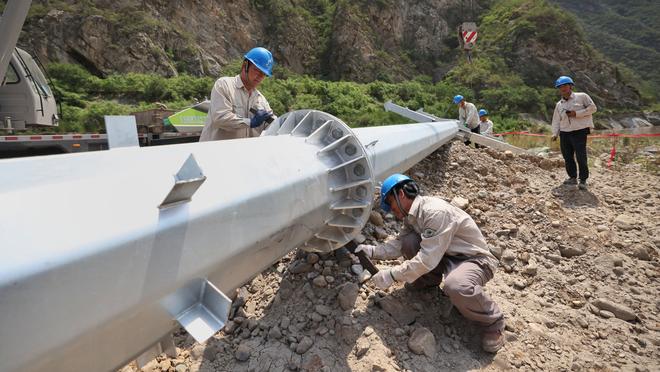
[[578, 282]]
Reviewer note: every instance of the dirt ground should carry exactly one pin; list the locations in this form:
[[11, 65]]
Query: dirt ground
[[579, 282]]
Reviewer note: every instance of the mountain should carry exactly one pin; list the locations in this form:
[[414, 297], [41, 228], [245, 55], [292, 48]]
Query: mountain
[[523, 44], [627, 32]]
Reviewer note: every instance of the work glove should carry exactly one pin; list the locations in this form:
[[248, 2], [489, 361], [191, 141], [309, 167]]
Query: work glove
[[259, 117], [367, 249], [383, 279]]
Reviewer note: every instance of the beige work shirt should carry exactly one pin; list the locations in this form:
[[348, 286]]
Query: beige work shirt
[[468, 115], [584, 108], [229, 111], [445, 230], [486, 127]]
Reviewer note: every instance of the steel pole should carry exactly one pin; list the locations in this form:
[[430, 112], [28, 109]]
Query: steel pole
[[92, 264]]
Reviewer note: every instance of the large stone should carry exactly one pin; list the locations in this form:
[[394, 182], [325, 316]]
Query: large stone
[[459, 202], [243, 352], [404, 315], [376, 218], [625, 222], [620, 311], [320, 281], [347, 295], [422, 341], [304, 345], [300, 267], [570, 251]]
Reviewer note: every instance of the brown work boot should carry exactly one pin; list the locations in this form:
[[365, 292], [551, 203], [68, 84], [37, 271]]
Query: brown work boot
[[492, 341]]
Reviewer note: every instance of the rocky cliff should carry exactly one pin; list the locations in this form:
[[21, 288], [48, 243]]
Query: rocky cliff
[[361, 40]]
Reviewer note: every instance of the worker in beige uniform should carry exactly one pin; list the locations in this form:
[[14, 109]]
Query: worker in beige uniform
[[485, 124], [572, 122], [238, 109], [439, 239], [467, 115]]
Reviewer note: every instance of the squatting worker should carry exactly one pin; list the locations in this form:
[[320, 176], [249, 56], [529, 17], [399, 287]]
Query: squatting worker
[[572, 122], [238, 109], [439, 239], [485, 124], [467, 115]]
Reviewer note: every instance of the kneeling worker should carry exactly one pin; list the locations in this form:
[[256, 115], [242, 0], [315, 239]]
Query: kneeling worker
[[238, 109], [439, 239], [485, 125]]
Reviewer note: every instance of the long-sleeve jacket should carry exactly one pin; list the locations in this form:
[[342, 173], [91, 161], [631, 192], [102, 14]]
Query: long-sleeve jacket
[[445, 230], [584, 108], [486, 127], [229, 111], [468, 115]]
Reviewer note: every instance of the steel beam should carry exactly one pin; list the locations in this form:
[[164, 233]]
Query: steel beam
[[463, 133], [92, 265]]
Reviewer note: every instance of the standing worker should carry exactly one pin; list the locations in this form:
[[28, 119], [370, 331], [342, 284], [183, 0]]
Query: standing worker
[[238, 109], [439, 239], [467, 115], [572, 122], [485, 125]]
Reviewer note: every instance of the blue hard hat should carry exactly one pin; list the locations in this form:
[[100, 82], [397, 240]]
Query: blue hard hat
[[563, 80], [483, 112], [389, 183], [457, 99], [262, 58]]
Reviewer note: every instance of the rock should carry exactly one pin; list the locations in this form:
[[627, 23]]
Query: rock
[[364, 276], [323, 310], [583, 322], [320, 281], [376, 219], [606, 314], [181, 368], [495, 250], [347, 295], [625, 222], [329, 279], [400, 312], [275, 333], [362, 347], [620, 311], [422, 341], [459, 202], [381, 233], [304, 345], [571, 251], [618, 271], [531, 269], [300, 267], [641, 253], [312, 258], [285, 322], [520, 284], [197, 352], [357, 269], [508, 256], [230, 327], [601, 228], [555, 223], [511, 227], [243, 352]]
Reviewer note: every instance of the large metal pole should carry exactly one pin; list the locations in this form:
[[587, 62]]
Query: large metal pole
[[11, 24], [91, 265]]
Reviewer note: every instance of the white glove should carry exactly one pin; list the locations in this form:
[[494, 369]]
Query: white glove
[[367, 249], [383, 279]]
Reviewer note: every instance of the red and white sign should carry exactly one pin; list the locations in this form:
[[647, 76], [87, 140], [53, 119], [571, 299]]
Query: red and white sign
[[469, 37]]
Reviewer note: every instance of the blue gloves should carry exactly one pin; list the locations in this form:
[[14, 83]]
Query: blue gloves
[[259, 117]]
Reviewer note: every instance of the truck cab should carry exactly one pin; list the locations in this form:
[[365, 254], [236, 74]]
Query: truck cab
[[26, 99]]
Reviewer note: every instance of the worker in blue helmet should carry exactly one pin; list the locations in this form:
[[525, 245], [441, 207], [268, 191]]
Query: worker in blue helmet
[[237, 109], [485, 125], [439, 240], [467, 115], [572, 121]]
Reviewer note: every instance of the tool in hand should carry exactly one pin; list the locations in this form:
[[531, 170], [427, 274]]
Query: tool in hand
[[362, 256]]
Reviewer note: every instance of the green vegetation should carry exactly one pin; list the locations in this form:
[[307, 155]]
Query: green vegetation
[[628, 32], [86, 98]]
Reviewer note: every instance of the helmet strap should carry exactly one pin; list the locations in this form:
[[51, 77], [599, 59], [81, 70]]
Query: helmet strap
[[398, 202]]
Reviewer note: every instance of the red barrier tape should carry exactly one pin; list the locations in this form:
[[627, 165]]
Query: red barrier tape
[[608, 135]]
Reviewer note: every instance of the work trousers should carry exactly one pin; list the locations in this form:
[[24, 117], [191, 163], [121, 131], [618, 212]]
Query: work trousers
[[476, 130], [574, 146], [465, 278]]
